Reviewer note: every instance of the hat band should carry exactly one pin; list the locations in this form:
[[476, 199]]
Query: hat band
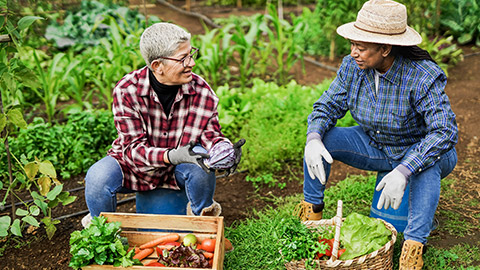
[[382, 33]]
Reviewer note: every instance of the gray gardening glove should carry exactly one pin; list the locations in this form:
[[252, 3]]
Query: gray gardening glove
[[393, 185], [185, 154], [237, 147]]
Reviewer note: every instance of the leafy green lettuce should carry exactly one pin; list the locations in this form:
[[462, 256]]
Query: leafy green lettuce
[[362, 235], [100, 243]]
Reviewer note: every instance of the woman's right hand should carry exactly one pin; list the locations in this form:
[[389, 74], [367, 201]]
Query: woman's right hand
[[314, 152]]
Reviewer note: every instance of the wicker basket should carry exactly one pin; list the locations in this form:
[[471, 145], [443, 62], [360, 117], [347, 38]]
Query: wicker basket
[[381, 259]]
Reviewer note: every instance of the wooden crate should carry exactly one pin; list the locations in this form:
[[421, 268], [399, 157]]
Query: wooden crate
[[140, 228]]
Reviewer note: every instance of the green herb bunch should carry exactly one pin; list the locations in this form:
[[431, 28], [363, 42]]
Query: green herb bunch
[[300, 242], [100, 243]]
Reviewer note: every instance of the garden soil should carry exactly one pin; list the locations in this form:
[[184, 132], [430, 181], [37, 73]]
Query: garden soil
[[238, 197]]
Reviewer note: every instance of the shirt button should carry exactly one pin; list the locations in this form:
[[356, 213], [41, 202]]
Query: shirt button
[[438, 157], [378, 131], [165, 133], [420, 169]]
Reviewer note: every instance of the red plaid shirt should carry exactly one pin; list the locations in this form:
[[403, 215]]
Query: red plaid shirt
[[145, 132]]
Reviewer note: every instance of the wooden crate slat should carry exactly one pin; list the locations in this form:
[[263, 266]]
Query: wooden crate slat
[[167, 222]]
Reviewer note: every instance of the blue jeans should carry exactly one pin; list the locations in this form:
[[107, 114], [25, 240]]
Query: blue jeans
[[351, 146], [104, 180]]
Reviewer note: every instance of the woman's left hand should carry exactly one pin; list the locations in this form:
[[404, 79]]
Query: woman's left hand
[[393, 185]]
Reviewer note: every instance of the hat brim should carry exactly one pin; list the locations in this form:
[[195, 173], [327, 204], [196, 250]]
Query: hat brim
[[409, 38]]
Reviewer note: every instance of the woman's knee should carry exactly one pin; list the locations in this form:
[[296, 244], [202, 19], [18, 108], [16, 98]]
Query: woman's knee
[[104, 173]]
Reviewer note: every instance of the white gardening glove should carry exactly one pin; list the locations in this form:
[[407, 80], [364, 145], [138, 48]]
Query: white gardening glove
[[314, 151], [393, 185]]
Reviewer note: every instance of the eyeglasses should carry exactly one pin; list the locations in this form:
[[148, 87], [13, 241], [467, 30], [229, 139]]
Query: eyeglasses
[[185, 60]]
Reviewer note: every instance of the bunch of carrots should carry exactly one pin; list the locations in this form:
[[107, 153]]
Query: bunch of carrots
[[170, 241]]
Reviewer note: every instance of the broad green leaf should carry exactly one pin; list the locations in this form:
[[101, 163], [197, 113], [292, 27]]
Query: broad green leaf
[[26, 21], [9, 81], [65, 198], [50, 226], [4, 225], [52, 194], [35, 195], [21, 212], [43, 205], [465, 38], [15, 229], [46, 167], [31, 220], [3, 122], [34, 210], [15, 116], [3, 3], [31, 169], [27, 77], [53, 203], [69, 200], [44, 183]]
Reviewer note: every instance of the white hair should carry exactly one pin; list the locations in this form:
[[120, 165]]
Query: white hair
[[161, 40]]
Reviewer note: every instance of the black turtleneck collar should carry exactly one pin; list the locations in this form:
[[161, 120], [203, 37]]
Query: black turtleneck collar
[[166, 93]]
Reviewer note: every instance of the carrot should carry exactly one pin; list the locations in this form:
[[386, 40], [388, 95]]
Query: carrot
[[208, 255], [163, 239], [154, 263], [143, 253], [136, 249]]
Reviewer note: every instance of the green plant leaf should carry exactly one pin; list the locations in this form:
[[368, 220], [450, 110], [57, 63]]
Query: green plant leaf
[[31, 220], [65, 198], [54, 192], [15, 229], [43, 205], [4, 225], [15, 116], [34, 210], [31, 170], [26, 21], [21, 212], [465, 38], [50, 226], [27, 77], [46, 167]]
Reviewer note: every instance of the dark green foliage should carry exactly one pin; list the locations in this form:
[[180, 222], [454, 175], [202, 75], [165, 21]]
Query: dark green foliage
[[273, 120], [462, 19], [86, 26], [321, 25], [71, 147]]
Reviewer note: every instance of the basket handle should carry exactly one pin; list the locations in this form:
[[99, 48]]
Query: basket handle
[[338, 224]]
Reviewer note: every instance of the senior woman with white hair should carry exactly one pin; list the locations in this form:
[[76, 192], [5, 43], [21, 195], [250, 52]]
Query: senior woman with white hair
[[395, 92], [163, 113]]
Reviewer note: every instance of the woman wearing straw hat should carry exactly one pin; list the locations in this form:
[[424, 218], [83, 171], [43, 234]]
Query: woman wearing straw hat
[[395, 92]]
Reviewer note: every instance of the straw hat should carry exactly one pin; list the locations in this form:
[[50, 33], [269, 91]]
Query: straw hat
[[383, 22]]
